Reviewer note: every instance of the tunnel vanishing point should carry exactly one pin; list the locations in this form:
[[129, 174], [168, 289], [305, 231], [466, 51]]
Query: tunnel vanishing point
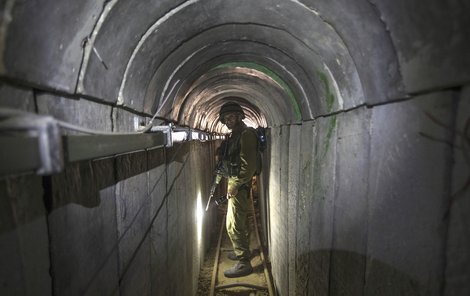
[[365, 188]]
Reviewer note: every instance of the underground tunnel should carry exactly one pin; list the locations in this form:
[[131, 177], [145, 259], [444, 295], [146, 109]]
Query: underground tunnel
[[109, 118]]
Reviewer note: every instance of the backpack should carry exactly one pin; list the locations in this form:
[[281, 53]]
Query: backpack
[[262, 144], [262, 141]]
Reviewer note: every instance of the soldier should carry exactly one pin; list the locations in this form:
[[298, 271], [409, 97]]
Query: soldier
[[241, 157]]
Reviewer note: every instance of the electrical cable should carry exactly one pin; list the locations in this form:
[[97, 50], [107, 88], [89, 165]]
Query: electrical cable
[[84, 130], [7, 112], [149, 125], [146, 199]]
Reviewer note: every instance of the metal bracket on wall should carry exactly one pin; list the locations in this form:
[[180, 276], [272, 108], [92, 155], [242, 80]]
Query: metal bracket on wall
[[166, 130], [29, 142], [83, 147], [176, 134]]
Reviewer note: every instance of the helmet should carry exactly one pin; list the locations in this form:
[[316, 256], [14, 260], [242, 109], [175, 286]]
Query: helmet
[[230, 107]]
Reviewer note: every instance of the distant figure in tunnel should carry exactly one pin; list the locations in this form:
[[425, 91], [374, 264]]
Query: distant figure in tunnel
[[241, 153]]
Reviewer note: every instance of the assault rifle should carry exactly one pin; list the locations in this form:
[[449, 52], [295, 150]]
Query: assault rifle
[[228, 167], [219, 173]]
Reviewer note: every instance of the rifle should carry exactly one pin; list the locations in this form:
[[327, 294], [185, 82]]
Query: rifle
[[216, 182], [219, 173], [221, 170]]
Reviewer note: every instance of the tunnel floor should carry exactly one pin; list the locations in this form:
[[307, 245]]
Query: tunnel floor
[[257, 278]]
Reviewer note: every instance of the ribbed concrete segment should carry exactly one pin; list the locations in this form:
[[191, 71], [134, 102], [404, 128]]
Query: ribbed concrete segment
[[365, 186]]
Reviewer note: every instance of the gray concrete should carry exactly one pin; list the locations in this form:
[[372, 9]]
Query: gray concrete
[[132, 208], [458, 255], [347, 270], [117, 31], [277, 243], [79, 112], [24, 244], [292, 200], [302, 243], [159, 215], [16, 98], [83, 230], [431, 51], [137, 278], [107, 235], [49, 53], [366, 177], [319, 204], [373, 200], [409, 188]]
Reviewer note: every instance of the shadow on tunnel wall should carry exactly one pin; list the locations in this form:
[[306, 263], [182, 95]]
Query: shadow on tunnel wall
[[79, 183], [337, 272], [95, 223]]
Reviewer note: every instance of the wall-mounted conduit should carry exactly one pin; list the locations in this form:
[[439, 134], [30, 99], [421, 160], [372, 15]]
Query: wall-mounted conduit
[[31, 142]]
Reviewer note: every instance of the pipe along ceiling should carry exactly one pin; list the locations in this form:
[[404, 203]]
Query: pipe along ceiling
[[183, 63]]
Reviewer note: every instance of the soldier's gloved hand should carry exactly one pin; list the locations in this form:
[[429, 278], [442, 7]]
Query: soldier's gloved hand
[[221, 200]]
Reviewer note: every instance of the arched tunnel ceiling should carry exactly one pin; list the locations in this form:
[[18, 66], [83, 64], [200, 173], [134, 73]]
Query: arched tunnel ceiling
[[309, 58], [200, 105], [153, 55]]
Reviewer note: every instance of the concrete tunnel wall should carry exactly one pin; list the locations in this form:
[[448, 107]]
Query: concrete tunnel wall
[[366, 173]]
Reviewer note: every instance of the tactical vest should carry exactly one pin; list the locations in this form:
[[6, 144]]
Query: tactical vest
[[231, 161]]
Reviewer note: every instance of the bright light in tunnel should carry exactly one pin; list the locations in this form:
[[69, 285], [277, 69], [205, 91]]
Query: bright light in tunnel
[[199, 217], [179, 136], [250, 123]]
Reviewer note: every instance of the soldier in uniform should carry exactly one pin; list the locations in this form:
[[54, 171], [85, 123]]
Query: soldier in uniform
[[241, 157]]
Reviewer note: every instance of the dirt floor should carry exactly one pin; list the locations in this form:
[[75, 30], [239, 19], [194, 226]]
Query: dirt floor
[[205, 274]]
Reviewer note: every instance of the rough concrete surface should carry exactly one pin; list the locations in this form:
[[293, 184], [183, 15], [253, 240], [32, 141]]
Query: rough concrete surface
[[83, 231], [307, 134], [292, 200], [79, 112], [409, 186], [320, 204], [275, 202], [431, 43], [366, 194], [457, 272], [347, 273], [49, 52], [16, 98], [24, 240]]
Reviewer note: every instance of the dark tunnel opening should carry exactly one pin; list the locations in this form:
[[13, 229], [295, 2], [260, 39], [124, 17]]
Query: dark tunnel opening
[[109, 125]]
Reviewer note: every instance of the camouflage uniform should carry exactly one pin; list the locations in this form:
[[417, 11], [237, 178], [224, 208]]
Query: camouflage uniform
[[241, 148]]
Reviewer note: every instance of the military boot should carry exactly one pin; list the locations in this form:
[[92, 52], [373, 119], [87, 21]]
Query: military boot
[[232, 256], [242, 268]]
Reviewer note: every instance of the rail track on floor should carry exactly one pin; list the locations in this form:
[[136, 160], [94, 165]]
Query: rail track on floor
[[257, 283]]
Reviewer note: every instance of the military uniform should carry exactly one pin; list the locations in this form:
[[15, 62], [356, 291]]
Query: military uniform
[[242, 152], [239, 163]]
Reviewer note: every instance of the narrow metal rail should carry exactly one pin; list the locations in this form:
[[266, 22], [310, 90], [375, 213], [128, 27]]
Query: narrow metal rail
[[261, 252], [215, 272]]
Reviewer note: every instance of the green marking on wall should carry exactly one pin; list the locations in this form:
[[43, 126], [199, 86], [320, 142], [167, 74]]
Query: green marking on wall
[[317, 187], [273, 76], [320, 160], [330, 97], [331, 127]]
